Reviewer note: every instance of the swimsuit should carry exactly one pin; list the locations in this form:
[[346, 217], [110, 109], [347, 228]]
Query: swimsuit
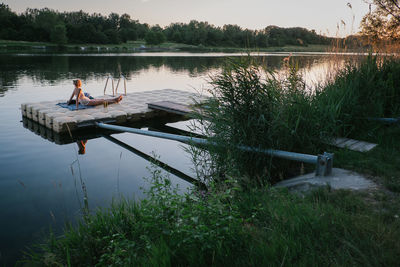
[[83, 99]]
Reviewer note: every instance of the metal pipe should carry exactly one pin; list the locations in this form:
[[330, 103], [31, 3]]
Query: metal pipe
[[112, 83], [105, 87], [155, 161], [312, 159], [124, 83], [116, 88], [184, 139], [386, 120]]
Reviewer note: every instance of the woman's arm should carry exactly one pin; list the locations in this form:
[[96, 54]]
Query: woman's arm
[[77, 98], [69, 101]]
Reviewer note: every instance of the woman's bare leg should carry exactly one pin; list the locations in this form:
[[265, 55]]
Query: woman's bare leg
[[96, 102]]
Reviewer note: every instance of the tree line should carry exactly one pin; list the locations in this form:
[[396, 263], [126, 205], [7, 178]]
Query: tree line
[[46, 25]]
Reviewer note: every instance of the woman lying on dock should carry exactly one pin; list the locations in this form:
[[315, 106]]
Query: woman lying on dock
[[86, 101]]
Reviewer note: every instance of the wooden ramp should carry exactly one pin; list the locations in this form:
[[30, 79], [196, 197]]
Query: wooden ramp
[[352, 144]]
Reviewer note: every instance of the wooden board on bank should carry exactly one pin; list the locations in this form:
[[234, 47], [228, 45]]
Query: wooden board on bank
[[352, 144]]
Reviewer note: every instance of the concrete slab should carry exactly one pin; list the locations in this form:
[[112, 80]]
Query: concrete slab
[[339, 179]]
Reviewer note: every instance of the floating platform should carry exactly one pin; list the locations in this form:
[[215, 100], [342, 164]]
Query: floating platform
[[132, 108]]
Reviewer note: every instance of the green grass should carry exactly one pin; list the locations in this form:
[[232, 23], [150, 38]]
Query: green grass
[[257, 227]]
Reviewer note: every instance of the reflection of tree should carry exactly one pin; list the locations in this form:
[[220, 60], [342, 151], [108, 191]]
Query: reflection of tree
[[53, 68], [7, 79]]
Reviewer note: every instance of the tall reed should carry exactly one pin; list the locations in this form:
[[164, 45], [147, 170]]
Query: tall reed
[[369, 90], [252, 106]]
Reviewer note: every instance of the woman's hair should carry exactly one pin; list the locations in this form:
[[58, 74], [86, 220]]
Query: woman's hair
[[77, 83]]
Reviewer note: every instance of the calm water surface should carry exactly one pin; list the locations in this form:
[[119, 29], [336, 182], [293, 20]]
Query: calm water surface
[[39, 179]]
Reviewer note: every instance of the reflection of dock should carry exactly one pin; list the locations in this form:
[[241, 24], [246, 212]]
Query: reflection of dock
[[91, 133], [88, 134], [155, 161], [133, 108]]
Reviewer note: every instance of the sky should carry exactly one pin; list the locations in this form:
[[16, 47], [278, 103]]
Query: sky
[[323, 16]]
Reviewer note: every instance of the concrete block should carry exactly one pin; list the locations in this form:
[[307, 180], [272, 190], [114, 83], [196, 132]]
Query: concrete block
[[82, 118], [50, 117], [100, 115], [62, 124], [42, 116], [119, 116]]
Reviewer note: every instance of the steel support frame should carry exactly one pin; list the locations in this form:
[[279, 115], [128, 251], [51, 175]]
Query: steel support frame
[[323, 162]]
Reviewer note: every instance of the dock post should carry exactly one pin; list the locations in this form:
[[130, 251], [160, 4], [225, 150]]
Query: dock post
[[324, 164]]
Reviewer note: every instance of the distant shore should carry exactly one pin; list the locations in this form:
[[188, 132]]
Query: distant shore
[[140, 46]]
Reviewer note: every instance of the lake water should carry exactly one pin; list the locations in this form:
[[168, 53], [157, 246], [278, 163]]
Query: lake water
[[40, 185]]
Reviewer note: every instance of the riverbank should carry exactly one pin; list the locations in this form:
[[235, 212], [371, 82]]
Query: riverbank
[[140, 46], [242, 220], [238, 227]]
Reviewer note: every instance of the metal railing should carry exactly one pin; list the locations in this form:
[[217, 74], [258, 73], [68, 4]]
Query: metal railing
[[112, 84], [323, 162], [115, 89]]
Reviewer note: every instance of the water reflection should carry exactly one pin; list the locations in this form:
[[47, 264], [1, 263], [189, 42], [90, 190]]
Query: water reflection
[[50, 69], [81, 146]]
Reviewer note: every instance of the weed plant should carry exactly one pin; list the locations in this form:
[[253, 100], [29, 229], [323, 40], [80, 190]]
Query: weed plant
[[370, 90], [228, 227], [251, 106]]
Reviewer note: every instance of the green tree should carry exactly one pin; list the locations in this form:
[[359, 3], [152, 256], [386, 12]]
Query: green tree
[[154, 38], [58, 34], [7, 29]]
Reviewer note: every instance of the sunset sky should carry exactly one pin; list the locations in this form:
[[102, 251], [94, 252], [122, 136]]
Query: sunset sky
[[324, 16]]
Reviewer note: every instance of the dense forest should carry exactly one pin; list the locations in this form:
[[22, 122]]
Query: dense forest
[[46, 25]]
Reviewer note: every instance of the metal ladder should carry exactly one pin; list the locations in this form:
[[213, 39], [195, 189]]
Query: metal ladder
[[115, 89]]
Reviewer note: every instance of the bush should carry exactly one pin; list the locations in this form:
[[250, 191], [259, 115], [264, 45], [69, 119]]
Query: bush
[[251, 107], [228, 227], [167, 228]]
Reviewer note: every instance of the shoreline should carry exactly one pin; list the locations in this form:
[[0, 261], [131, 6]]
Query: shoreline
[[140, 47]]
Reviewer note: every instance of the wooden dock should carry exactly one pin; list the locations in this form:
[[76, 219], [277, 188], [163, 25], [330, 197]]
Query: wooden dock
[[133, 108]]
